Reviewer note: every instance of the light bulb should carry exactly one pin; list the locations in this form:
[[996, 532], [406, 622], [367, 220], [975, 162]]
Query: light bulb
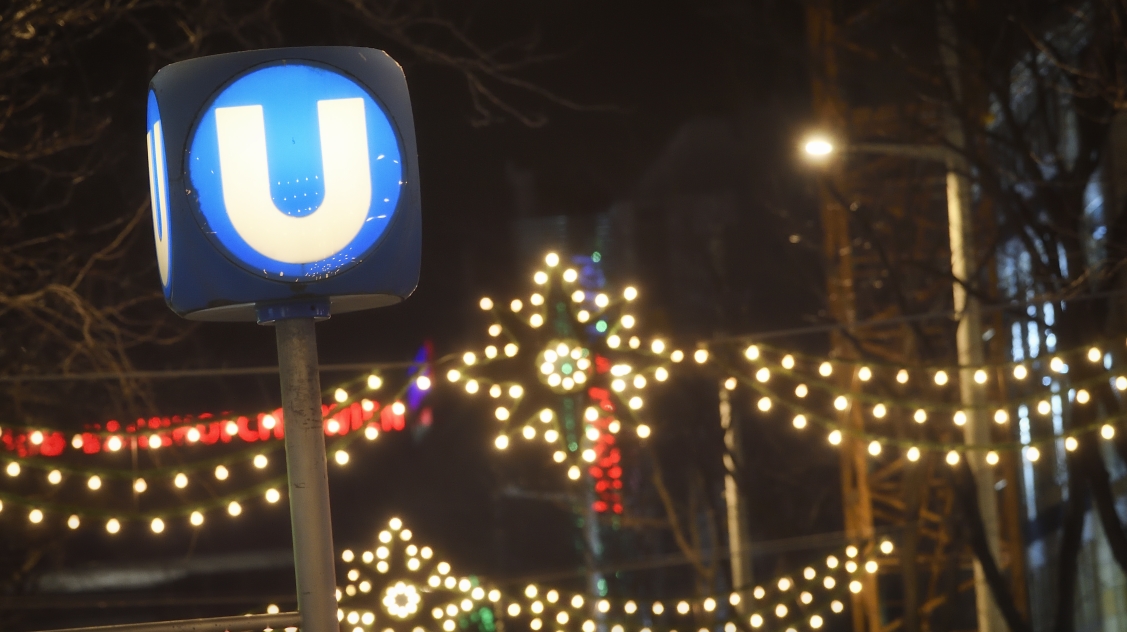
[[992, 458], [980, 377], [341, 457], [140, 486], [643, 431], [35, 516], [701, 356], [1094, 354], [1020, 372], [180, 480], [799, 421], [913, 454], [374, 381], [540, 278], [952, 458], [902, 376], [874, 448], [113, 526], [157, 525], [273, 495], [941, 378], [486, 303], [340, 395], [630, 293], [825, 369], [1032, 454], [864, 374], [74, 522], [752, 352], [221, 472], [260, 461], [920, 416], [501, 442], [552, 259], [94, 482], [801, 391], [55, 477], [1082, 396], [1001, 416], [835, 437], [234, 508], [196, 519]]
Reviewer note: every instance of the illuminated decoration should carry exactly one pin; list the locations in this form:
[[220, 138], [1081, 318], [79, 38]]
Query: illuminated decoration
[[241, 456], [810, 390], [567, 366], [382, 589], [399, 584], [298, 166]]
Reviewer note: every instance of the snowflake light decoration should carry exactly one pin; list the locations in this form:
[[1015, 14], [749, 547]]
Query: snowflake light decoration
[[568, 366], [395, 583]]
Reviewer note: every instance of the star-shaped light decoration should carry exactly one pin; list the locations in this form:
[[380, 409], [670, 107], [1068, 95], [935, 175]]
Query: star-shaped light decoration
[[567, 366], [401, 586]]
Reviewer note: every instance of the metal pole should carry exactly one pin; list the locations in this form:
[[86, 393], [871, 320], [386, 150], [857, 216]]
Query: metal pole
[[308, 475], [219, 624], [738, 540], [968, 336]]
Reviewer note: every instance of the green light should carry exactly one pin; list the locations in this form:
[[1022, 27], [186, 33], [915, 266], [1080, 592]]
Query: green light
[[601, 326], [566, 368], [596, 256]]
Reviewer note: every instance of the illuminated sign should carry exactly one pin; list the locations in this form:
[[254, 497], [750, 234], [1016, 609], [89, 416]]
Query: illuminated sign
[[297, 171], [158, 187], [281, 177]]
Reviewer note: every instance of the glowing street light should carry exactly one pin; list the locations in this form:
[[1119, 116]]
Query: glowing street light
[[818, 147]]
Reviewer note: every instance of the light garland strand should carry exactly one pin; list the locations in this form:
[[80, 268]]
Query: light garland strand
[[398, 582], [98, 480]]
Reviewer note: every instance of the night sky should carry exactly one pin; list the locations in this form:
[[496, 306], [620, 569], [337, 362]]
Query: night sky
[[677, 99]]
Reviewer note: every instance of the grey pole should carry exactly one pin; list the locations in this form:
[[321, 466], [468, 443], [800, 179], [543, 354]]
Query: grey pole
[[738, 540], [308, 475], [968, 335]]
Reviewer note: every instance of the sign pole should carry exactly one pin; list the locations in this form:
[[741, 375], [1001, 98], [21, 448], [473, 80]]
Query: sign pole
[[308, 474]]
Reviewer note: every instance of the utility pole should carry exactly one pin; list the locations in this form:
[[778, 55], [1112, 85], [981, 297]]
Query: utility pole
[[739, 543], [968, 336]]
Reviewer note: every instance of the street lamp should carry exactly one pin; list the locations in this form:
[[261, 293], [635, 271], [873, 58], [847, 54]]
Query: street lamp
[[968, 336], [817, 147]]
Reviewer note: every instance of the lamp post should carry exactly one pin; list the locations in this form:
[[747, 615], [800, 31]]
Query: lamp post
[[968, 335]]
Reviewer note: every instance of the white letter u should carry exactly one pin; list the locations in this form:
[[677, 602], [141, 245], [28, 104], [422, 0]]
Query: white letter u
[[246, 183]]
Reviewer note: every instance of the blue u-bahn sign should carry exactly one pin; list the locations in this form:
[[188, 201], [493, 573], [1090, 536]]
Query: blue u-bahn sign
[[283, 177]]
